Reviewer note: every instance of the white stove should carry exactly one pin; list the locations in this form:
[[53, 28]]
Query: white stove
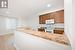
[[49, 26]]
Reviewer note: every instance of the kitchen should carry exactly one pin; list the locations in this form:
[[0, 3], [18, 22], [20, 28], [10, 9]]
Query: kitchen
[[54, 32], [36, 24], [57, 21]]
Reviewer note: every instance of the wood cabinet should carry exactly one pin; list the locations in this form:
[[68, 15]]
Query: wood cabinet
[[59, 31], [58, 17], [41, 29], [42, 18]]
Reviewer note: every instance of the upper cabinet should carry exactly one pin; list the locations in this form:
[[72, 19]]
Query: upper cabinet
[[58, 17]]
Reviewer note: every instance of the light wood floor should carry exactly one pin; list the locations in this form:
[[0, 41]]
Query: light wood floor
[[6, 42]]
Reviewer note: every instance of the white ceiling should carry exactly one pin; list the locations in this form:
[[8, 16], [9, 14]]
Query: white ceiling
[[27, 8]]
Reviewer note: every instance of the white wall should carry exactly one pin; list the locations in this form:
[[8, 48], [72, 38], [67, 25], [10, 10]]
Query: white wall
[[70, 21], [21, 22], [7, 25], [32, 21], [2, 25], [73, 24]]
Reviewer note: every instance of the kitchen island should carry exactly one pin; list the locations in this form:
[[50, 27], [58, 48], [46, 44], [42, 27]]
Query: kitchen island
[[40, 40]]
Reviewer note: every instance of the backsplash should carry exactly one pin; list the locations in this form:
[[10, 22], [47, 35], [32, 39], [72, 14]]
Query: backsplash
[[57, 25]]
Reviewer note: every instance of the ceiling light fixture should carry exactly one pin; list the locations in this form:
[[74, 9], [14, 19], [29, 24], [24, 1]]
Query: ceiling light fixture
[[48, 5]]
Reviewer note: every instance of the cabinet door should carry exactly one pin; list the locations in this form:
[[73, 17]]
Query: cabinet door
[[43, 18], [59, 17], [59, 31]]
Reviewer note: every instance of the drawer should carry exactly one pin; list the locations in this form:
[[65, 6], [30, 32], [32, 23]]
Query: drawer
[[58, 31]]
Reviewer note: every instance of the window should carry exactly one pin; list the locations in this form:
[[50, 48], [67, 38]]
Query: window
[[11, 23]]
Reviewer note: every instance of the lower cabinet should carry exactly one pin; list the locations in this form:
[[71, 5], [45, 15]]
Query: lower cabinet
[[59, 31]]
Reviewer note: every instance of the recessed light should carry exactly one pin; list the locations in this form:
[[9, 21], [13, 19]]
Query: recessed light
[[48, 5]]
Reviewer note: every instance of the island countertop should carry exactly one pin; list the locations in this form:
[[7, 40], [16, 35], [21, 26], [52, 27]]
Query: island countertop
[[62, 39]]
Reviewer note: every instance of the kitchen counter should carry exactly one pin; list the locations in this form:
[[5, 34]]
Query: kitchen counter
[[62, 39]]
